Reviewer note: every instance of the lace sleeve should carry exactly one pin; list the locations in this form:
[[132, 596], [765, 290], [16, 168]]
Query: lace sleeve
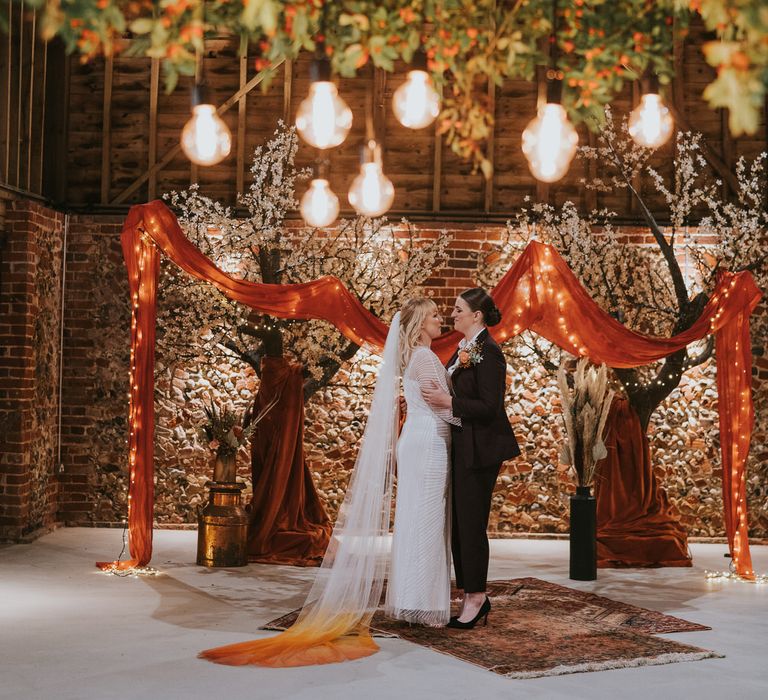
[[426, 369]]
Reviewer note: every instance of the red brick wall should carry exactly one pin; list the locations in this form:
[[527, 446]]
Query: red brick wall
[[30, 276]]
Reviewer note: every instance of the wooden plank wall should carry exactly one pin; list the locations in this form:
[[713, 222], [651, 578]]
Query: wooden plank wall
[[24, 61], [110, 121]]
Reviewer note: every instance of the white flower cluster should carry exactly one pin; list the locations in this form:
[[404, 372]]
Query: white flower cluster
[[740, 227]]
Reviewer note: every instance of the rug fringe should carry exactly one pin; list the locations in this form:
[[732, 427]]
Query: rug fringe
[[670, 658]]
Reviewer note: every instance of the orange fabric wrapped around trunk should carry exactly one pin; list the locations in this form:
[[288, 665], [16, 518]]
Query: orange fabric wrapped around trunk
[[288, 524], [636, 525]]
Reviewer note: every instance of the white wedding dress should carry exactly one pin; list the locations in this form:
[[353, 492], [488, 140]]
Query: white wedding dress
[[419, 584]]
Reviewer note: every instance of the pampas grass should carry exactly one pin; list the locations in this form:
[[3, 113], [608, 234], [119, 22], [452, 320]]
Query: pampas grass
[[585, 410]]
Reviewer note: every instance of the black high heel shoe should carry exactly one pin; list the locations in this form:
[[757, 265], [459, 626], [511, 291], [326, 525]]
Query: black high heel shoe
[[485, 608]]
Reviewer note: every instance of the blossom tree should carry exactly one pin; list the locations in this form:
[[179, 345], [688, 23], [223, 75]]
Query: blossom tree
[[645, 288], [381, 264]]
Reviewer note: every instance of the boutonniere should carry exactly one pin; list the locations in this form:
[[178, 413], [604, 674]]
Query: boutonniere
[[470, 355]]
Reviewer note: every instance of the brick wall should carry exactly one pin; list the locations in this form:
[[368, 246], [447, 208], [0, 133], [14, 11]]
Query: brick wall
[[95, 376], [30, 302]]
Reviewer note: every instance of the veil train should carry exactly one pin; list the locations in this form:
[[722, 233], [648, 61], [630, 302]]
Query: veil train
[[334, 623]]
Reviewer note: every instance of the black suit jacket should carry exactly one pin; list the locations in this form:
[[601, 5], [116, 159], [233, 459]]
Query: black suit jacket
[[485, 438]]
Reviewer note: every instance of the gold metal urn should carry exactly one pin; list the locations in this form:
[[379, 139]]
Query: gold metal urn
[[223, 525]]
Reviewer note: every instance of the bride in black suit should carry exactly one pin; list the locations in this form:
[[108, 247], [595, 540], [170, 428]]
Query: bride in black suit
[[484, 440]]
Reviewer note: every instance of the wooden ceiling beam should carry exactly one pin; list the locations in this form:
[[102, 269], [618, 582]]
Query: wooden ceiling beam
[[154, 91], [106, 129], [489, 182], [174, 151], [241, 124], [437, 163]]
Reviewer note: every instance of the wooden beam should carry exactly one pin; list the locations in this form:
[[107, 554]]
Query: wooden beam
[[490, 145], [106, 129], [172, 152], [678, 63], [57, 115], [154, 91], [637, 180], [42, 118], [287, 91], [728, 148], [542, 188], [31, 103], [199, 59], [241, 122], [590, 195], [379, 106], [7, 116], [437, 165], [19, 96]]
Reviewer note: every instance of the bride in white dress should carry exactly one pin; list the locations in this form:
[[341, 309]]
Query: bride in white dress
[[335, 622], [419, 582]]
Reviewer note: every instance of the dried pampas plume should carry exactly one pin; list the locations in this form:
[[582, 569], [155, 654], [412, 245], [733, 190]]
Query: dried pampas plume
[[585, 410]]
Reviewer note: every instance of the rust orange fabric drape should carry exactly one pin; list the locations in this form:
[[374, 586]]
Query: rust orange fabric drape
[[539, 292], [636, 525], [288, 524]]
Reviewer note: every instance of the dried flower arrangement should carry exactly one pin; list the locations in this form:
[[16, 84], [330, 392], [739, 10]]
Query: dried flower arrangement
[[585, 410]]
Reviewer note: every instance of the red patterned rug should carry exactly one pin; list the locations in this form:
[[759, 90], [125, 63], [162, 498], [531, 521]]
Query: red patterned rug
[[537, 628]]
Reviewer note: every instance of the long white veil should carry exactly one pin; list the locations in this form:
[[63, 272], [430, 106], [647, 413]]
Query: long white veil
[[334, 623], [355, 565]]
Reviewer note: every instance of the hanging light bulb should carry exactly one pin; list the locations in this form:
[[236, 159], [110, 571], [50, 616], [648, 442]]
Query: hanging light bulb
[[319, 205], [549, 140], [205, 138], [372, 192], [416, 103], [650, 123], [323, 119]]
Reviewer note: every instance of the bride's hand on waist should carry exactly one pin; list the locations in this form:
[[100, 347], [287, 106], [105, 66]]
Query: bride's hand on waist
[[435, 396]]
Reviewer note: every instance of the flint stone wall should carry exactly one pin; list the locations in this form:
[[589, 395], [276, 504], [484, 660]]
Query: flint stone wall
[[531, 496]]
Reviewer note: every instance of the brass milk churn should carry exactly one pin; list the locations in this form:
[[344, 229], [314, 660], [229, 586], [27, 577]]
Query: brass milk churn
[[223, 527]]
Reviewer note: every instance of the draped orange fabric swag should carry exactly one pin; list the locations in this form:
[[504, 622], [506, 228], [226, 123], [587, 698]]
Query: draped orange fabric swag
[[539, 293]]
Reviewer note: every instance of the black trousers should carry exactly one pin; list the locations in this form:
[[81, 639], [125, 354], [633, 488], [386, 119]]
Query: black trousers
[[472, 490]]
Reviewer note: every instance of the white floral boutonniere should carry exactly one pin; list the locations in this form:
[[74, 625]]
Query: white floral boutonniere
[[470, 355]]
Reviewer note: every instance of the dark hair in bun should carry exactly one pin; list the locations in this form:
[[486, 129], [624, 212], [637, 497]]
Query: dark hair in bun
[[479, 300]]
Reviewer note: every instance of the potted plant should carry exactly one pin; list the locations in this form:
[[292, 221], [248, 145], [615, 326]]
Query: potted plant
[[586, 402], [224, 434]]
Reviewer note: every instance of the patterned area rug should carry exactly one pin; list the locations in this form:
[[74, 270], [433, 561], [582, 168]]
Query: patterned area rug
[[537, 628]]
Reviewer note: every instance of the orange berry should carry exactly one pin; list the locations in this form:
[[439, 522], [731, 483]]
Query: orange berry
[[740, 61]]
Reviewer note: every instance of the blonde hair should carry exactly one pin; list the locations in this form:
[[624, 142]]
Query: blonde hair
[[412, 317]]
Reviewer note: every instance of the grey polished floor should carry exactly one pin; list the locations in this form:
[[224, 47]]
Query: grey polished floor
[[70, 632]]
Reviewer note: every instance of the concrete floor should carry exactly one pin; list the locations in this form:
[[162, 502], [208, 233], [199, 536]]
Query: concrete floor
[[68, 631]]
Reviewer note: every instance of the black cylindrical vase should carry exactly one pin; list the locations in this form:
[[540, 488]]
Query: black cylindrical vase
[[583, 563]]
